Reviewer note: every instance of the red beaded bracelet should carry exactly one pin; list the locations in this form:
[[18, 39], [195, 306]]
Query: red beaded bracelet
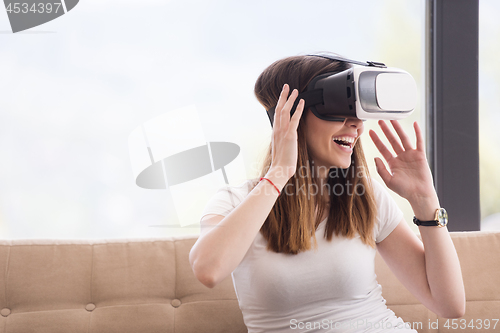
[[272, 184]]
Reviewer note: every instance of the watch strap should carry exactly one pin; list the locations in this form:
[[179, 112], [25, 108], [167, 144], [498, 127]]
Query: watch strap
[[431, 223]]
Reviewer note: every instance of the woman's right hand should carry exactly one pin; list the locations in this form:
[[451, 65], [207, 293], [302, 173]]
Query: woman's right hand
[[284, 138]]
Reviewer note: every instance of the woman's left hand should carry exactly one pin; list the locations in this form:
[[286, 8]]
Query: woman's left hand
[[411, 176]]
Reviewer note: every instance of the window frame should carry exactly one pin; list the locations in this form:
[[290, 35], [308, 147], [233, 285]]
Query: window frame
[[452, 107]]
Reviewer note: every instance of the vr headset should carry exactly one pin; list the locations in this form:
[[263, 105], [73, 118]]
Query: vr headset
[[367, 91]]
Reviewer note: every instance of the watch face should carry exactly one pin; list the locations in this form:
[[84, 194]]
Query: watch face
[[442, 217]]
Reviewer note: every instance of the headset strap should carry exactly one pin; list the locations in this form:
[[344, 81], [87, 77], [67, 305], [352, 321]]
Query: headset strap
[[331, 57]]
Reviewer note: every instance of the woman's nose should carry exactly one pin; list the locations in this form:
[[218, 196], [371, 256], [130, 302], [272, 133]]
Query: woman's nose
[[354, 122]]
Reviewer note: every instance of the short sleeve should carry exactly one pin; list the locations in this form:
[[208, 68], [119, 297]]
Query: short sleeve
[[226, 199], [388, 215]]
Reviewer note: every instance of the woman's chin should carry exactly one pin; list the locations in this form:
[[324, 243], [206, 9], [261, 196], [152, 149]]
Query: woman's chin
[[342, 164], [345, 166]]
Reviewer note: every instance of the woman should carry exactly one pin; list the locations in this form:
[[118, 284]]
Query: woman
[[300, 240]]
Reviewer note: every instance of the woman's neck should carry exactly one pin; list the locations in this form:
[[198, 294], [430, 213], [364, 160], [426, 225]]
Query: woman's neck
[[323, 192]]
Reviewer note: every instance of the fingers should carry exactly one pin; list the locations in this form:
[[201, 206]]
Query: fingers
[[279, 106], [405, 139], [381, 146], [282, 119], [382, 171], [391, 137], [420, 137], [294, 122], [284, 112]]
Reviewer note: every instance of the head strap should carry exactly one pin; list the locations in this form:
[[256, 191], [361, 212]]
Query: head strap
[[337, 58]]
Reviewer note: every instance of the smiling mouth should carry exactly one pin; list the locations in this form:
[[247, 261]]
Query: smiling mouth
[[344, 143]]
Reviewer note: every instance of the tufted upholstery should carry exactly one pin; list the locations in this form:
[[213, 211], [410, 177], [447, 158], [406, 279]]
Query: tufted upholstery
[[148, 286]]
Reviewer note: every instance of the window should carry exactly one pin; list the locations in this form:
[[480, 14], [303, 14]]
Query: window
[[489, 117], [76, 89]]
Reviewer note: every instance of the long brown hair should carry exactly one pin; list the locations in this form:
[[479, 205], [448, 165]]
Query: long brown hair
[[296, 214]]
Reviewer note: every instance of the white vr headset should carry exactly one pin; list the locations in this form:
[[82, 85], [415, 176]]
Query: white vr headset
[[368, 91]]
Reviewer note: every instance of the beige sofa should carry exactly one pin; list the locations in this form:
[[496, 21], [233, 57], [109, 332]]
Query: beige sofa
[[148, 286]]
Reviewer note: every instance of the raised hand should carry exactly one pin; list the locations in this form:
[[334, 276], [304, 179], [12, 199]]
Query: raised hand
[[284, 139], [409, 174]]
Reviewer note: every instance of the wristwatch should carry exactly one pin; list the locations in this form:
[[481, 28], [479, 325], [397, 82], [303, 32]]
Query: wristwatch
[[440, 219]]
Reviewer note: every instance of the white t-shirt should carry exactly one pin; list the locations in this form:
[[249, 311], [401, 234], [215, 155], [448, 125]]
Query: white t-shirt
[[331, 290]]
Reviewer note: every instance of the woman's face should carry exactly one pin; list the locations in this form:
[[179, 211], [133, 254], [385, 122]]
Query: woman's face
[[330, 143]]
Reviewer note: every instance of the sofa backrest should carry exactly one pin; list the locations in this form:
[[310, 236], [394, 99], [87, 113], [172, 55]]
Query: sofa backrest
[[116, 286], [479, 254], [148, 286]]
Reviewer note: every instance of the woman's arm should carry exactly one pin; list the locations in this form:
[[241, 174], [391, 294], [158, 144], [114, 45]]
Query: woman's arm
[[441, 261], [222, 245], [430, 268]]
